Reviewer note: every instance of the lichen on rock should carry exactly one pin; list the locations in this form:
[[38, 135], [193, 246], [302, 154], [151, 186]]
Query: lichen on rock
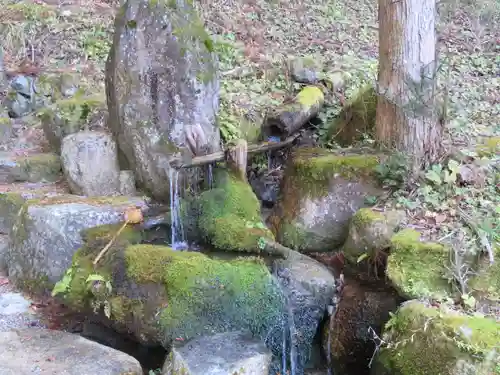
[[425, 340], [320, 192], [418, 269]]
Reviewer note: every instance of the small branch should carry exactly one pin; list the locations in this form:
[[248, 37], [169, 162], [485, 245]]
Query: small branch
[[220, 155], [106, 248]]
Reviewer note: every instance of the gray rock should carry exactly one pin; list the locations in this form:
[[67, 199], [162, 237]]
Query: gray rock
[[309, 288], [12, 201], [127, 183], [23, 96], [90, 164], [306, 70], [32, 168], [4, 247], [162, 89], [39, 351], [47, 234], [222, 354]]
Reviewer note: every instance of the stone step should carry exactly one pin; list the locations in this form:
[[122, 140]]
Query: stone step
[[13, 196], [39, 167], [42, 351]]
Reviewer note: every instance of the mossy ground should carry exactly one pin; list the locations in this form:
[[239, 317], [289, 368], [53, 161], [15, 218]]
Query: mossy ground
[[430, 341], [418, 269], [230, 216]]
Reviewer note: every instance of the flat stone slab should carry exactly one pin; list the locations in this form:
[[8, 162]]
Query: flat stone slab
[[33, 351], [221, 354], [30, 168]]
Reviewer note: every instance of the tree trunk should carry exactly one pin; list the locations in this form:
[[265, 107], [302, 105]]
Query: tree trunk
[[407, 115]]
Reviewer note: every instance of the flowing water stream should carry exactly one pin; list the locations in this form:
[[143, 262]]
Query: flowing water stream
[[178, 235]]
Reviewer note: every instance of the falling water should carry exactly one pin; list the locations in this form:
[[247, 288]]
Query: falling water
[[283, 348], [293, 335], [210, 176], [178, 240]]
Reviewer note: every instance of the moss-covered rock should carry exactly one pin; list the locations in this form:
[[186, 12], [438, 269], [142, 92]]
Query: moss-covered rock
[[356, 119], [71, 115], [46, 233], [32, 168], [160, 294], [319, 194], [230, 216], [425, 340], [485, 283], [489, 147], [418, 269], [370, 231]]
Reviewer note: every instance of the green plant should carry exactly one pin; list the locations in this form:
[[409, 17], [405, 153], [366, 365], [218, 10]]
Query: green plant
[[393, 171]]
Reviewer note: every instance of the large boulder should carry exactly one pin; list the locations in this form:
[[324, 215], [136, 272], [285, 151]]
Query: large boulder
[[425, 340], [160, 295], [90, 163], [162, 89], [47, 234], [221, 354], [320, 193], [33, 351]]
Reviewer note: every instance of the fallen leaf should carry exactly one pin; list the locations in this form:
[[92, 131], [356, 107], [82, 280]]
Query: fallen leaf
[[440, 218]]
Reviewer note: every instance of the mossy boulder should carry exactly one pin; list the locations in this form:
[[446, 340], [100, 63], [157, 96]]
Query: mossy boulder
[[163, 106], [356, 119], [485, 283], [160, 294], [229, 216], [424, 340], [418, 269], [44, 167], [489, 147], [46, 234], [70, 115], [370, 231], [319, 194]]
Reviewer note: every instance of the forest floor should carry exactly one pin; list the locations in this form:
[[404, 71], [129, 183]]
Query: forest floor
[[255, 38]]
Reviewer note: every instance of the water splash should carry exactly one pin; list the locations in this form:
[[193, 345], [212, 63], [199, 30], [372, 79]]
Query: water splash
[[210, 176], [178, 240]]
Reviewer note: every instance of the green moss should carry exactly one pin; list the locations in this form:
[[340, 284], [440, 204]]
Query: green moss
[[310, 96], [197, 287], [489, 148], [486, 281], [64, 199], [366, 216], [432, 341], [70, 115], [417, 269], [36, 168], [356, 119], [230, 216]]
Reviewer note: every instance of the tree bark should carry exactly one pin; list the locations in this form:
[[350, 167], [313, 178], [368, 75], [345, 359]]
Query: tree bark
[[407, 115]]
